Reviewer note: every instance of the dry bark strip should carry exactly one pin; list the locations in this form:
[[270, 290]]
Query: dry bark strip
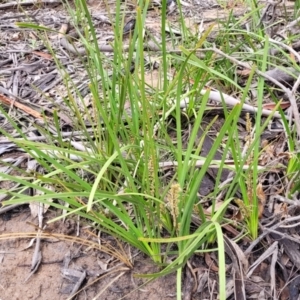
[[5, 100]]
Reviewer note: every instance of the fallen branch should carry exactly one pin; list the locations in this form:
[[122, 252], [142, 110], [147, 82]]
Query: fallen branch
[[229, 100], [18, 4]]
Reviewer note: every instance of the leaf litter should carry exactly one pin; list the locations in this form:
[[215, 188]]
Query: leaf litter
[[266, 268]]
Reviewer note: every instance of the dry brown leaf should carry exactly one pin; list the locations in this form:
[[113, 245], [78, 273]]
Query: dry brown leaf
[[235, 232], [260, 193], [280, 209], [284, 259], [286, 155], [63, 30], [292, 56], [261, 199], [271, 106], [43, 55], [244, 210], [244, 72], [267, 153], [285, 293], [210, 263], [217, 205]]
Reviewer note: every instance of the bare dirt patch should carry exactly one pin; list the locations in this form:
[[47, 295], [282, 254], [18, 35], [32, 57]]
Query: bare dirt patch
[[51, 282]]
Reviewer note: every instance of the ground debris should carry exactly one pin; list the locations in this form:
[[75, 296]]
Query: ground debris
[[33, 90]]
